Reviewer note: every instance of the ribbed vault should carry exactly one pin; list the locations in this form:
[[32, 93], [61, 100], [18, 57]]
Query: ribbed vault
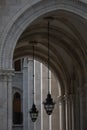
[[67, 48]]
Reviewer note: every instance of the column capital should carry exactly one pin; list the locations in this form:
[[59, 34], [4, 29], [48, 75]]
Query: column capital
[[61, 99], [7, 72], [6, 75], [69, 97], [65, 98]]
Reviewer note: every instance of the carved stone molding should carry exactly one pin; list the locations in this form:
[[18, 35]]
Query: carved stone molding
[[61, 99], [64, 98], [6, 75], [69, 98], [7, 72]]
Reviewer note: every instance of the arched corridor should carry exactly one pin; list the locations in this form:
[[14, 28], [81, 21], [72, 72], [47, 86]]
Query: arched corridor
[[68, 61]]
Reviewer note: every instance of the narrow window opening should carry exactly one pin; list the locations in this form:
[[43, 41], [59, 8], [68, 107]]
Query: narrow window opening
[[17, 65], [17, 114]]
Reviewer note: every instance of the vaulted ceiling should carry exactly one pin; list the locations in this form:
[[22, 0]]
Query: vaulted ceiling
[[68, 46]]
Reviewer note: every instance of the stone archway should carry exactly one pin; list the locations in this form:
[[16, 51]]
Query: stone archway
[[9, 39], [23, 19], [20, 22]]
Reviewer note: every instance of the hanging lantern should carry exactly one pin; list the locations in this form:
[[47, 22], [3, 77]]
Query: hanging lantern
[[48, 103], [33, 113]]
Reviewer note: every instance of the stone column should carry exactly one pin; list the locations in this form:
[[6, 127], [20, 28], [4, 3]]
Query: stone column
[[77, 111], [83, 107], [62, 123], [6, 100], [72, 110], [69, 108], [67, 112], [27, 93], [30, 92], [38, 96]]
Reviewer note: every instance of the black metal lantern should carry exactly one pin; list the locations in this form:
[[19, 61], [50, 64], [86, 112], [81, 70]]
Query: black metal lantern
[[48, 103], [33, 111]]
